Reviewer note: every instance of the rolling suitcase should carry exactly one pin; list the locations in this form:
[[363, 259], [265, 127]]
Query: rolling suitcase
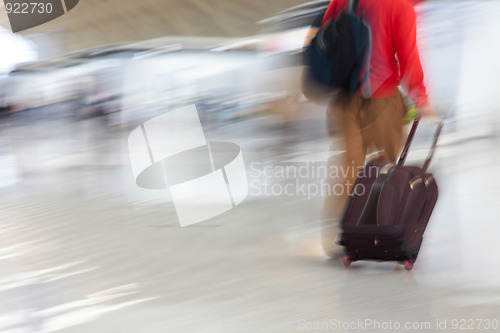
[[390, 205]]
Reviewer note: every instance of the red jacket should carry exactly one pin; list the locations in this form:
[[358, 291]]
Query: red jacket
[[394, 55]]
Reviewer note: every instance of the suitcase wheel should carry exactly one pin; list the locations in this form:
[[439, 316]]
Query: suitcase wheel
[[347, 260], [409, 264]]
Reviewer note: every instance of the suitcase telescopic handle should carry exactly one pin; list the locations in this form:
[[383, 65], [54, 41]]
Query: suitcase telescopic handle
[[433, 147], [411, 135], [409, 140]]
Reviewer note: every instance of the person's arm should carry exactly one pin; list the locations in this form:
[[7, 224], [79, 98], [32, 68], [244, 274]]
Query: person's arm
[[405, 43]]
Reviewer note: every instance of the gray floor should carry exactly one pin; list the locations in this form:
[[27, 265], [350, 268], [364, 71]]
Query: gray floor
[[83, 249]]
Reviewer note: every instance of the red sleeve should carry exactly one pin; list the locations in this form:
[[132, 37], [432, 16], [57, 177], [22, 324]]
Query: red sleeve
[[405, 44], [331, 11]]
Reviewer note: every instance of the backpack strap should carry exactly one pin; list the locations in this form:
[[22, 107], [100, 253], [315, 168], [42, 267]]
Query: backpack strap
[[363, 79], [353, 6]]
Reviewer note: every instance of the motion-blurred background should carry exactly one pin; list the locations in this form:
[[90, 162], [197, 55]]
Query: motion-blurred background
[[113, 21], [84, 249]]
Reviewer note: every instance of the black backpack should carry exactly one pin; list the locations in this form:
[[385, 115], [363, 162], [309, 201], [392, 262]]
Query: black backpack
[[338, 54]]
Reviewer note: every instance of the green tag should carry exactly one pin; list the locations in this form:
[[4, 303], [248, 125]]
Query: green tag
[[411, 114]]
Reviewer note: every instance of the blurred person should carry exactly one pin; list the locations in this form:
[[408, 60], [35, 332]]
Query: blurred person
[[374, 115]]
